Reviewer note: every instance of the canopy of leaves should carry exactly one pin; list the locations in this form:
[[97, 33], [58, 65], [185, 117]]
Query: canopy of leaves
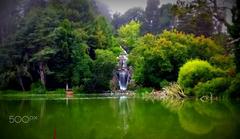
[[159, 58]]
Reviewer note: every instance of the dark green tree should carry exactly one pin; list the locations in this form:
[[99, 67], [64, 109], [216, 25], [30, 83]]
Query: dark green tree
[[151, 17], [133, 14], [166, 17], [194, 17], [234, 31]]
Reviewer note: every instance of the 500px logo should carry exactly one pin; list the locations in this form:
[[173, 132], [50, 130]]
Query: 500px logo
[[21, 119]]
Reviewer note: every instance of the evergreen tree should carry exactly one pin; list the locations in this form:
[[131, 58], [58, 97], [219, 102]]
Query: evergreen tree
[[234, 31], [194, 17], [151, 18]]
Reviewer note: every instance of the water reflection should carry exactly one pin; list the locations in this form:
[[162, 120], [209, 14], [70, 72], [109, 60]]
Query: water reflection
[[124, 113], [120, 117], [192, 121], [203, 118]]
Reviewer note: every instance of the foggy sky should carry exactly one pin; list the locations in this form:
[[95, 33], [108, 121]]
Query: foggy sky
[[123, 5]]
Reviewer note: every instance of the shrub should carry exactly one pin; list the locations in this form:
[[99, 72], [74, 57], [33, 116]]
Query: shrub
[[234, 89], [174, 90], [38, 88], [158, 58], [196, 71], [223, 61], [57, 91], [215, 87], [102, 70], [144, 90], [78, 89], [164, 83]]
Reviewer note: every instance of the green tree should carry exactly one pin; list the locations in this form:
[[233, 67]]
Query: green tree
[[132, 14], [151, 17], [234, 30], [41, 58], [157, 59], [128, 34], [194, 17], [102, 71], [166, 17]]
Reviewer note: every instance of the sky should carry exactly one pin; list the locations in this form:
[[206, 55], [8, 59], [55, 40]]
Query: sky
[[122, 6]]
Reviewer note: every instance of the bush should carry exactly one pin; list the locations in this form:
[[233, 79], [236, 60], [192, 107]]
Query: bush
[[78, 89], [215, 87], [234, 89], [102, 70], [197, 71], [144, 90], [223, 61], [157, 59], [57, 91], [38, 88], [174, 90], [164, 83]]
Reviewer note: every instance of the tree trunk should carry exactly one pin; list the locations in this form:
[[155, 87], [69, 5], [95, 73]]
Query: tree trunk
[[42, 73], [21, 83]]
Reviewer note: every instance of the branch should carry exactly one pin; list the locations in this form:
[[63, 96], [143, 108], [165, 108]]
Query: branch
[[233, 41]]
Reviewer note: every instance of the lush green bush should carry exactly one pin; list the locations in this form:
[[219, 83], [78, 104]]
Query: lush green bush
[[129, 33], [225, 62], [197, 71], [215, 87], [102, 70], [38, 88], [143, 90], [157, 59], [234, 89], [57, 91], [198, 47], [164, 83]]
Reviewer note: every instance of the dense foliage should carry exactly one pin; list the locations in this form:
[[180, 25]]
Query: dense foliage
[[56, 44], [154, 18], [128, 34], [49, 44], [157, 59], [196, 72]]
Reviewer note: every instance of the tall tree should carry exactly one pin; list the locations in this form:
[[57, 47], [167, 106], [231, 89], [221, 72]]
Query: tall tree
[[234, 31], [151, 17], [133, 14], [128, 34], [166, 17], [41, 58], [194, 17], [102, 9]]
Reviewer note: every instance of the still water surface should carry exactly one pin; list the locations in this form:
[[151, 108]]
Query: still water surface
[[114, 117]]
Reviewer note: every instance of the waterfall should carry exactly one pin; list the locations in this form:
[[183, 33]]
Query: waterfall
[[123, 71], [123, 80]]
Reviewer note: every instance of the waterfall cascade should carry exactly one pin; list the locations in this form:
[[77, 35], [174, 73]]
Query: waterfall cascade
[[123, 72]]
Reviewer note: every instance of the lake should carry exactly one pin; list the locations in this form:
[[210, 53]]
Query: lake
[[114, 117]]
